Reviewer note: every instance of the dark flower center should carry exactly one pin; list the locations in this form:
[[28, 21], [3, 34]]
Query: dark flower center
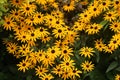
[[16, 13], [57, 22], [109, 15], [24, 36], [27, 8], [117, 2], [94, 9], [104, 3], [53, 51], [65, 51], [74, 71], [32, 34], [8, 22], [59, 30], [67, 63], [41, 30], [23, 64]]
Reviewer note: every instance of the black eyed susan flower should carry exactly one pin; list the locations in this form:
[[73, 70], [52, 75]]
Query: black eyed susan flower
[[23, 66], [110, 16], [66, 75], [8, 23], [59, 32], [40, 55], [40, 71], [42, 32], [41, 2], [87, 66], [86, 52], [53, 52], [38, 18], [117, 77], [47, 77], [47, 61], [57, 70], [69, 7], [74, 72], [22, 36], [33, 35], [45, 39], [12, 48], [66, 52], [17, 3], [28, 9], [24, 50], [115, 26], [99, 45], [85, 16], [104, 5], [93, 28], [67, 64], [15, 14], [116, 4]]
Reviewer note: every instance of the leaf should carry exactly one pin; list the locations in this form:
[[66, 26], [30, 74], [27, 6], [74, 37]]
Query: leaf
[[104, 24], [97, 56], [29, 77], [97, 75], [110, 75], [0, 13], [112, 66], [1, 22], [118, 69]]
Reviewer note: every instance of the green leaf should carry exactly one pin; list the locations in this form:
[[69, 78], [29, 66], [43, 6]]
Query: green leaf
[[97, 56], [97, 75], [3, 1], [2, 8], [104, 24], [29, 77], [0, 13], [117, 69], [112, 66], [110, 75], [1, 22]]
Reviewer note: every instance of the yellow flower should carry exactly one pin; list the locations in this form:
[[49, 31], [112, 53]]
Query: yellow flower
[[99, 45], [23, 66], [53, 52], [17, 3], [39, 18], [12, 48], [22, 36], [9, 23], [85, 16], [33, 35], [24, 50], [86, 52], [117, 77], [28, 9], [57, 70], [116, 4], [93, 28], [15, 14], [47, 77], [69, 7], [42, 32], [66, 52], [40, 71], [42, 2], [104, 5], [59, 32], [74, 72], [115, 26], [67, 64], [47, 61], [87, 66], [110, 16]]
